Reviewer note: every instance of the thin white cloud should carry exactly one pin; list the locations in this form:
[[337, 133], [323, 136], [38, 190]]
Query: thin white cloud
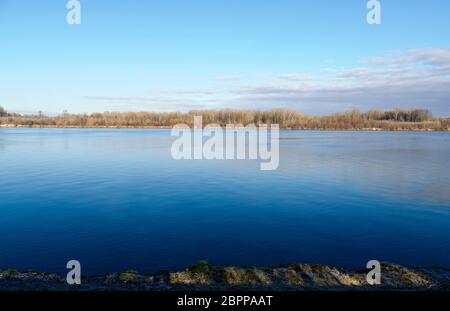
[[227, 78], [295, 77], [194, 92], [429, 56], [329, 70]]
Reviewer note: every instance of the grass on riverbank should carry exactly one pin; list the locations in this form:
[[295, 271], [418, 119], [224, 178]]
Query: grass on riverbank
[[204, 276]]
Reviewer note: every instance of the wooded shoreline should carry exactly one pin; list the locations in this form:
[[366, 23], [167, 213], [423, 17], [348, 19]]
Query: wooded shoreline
[[393, 120]]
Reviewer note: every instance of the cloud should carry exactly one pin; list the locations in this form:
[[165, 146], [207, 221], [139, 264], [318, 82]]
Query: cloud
[[414, 78], [295, 77], [329, 70], [227, 78], [417, 78], [148, 103], [429, 56], [194, 92], [117, 98]]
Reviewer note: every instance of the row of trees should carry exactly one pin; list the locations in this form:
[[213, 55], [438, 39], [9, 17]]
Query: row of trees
[[413, 115], [354, 119], [3, 112]]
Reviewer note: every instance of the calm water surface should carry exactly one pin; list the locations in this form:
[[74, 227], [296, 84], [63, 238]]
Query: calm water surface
[[115, 199]]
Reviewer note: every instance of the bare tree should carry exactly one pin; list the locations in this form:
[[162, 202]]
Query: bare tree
[[3, 112]]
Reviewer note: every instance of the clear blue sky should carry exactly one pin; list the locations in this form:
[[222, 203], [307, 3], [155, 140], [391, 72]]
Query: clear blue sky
[[315, 56]]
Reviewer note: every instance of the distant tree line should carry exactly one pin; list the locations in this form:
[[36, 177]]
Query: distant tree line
[[413, 115], [397, 119], [3, 112]]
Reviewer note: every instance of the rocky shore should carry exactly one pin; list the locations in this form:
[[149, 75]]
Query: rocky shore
[[204, 276]]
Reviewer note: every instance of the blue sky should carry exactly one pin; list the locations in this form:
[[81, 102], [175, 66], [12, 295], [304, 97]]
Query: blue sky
[[316, 56]]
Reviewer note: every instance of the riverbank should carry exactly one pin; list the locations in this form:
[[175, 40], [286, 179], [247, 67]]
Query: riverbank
[[363, 129], [395, 120], [204, 276]]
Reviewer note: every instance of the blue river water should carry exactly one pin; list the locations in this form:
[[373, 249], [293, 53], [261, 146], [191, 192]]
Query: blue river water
[[115, 199]]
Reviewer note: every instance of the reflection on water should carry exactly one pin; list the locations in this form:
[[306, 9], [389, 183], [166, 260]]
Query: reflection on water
[[115, 199]]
